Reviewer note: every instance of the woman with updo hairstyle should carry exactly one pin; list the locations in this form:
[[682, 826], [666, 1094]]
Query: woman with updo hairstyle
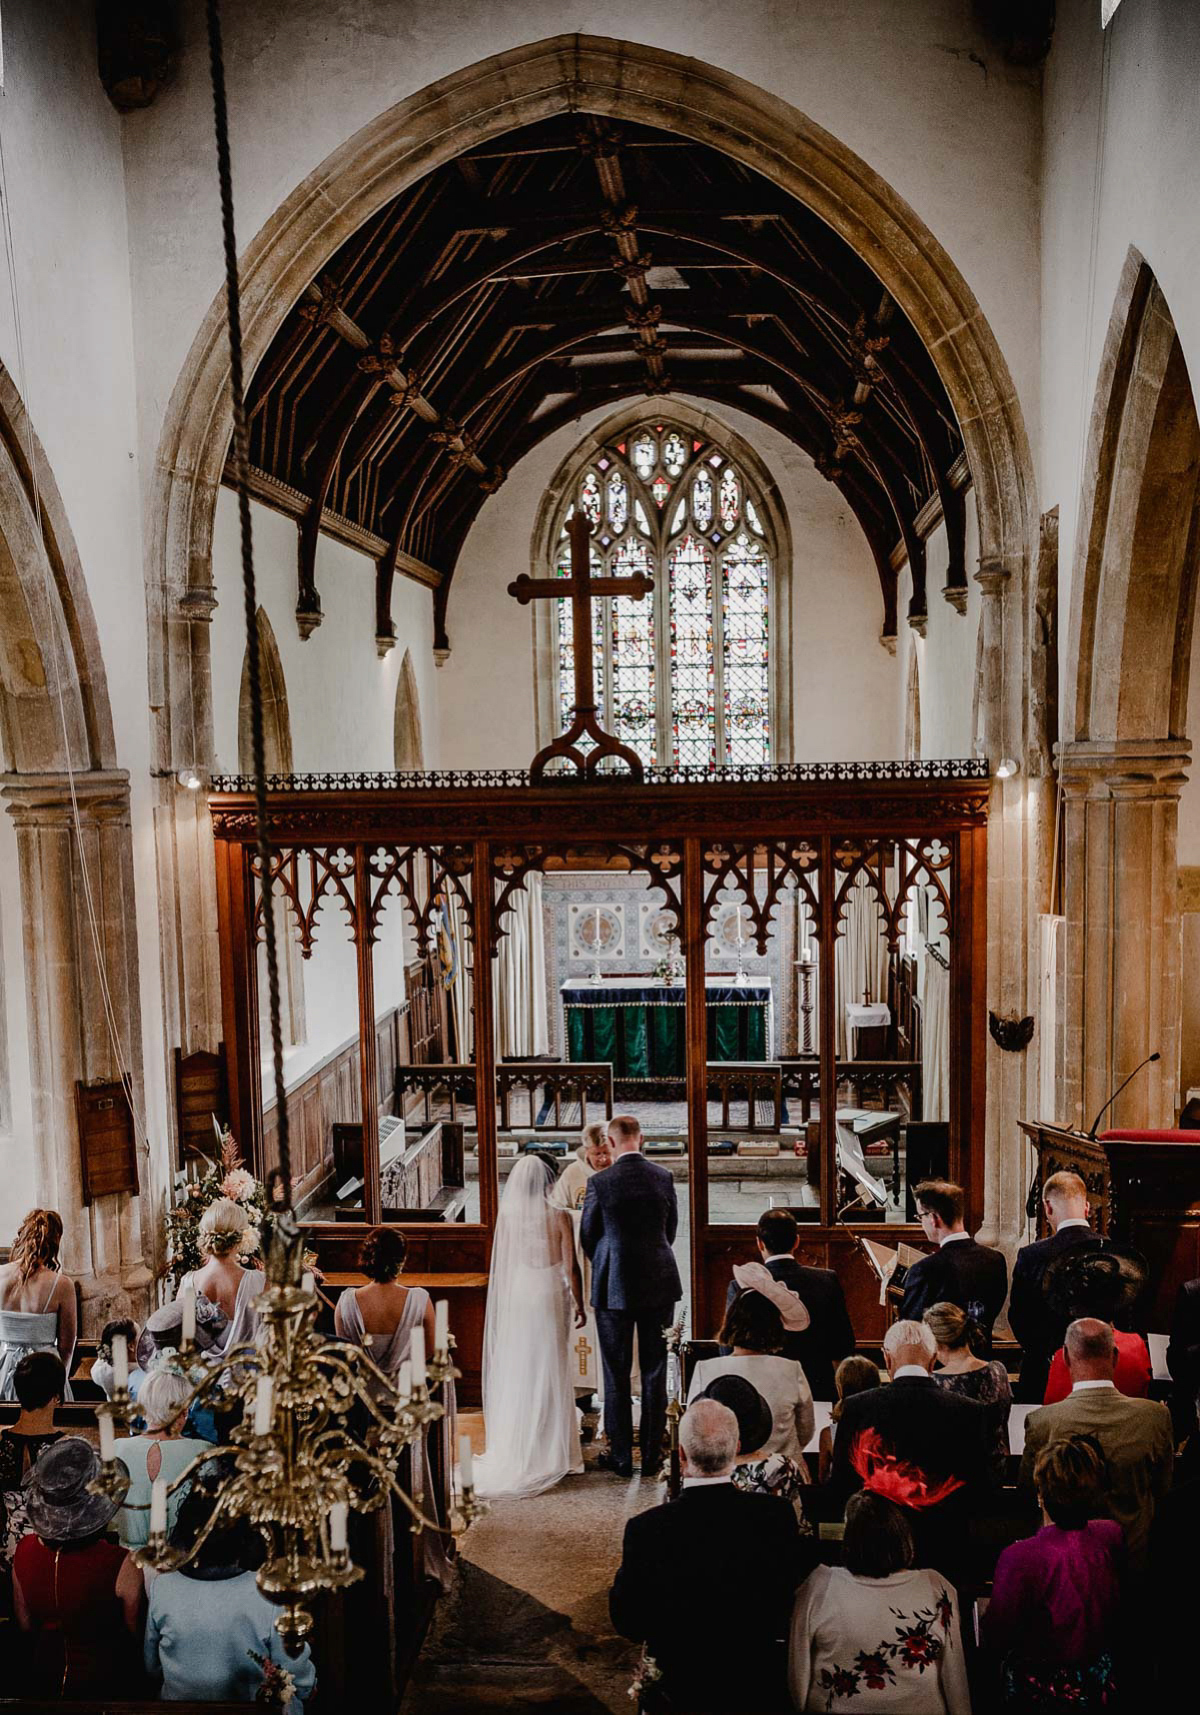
[[754, 1332], [225, 1236], [962, 1370], [37, 1300], [381, 1316]]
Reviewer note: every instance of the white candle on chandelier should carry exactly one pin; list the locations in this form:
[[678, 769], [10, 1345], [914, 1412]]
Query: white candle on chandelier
[[264, 1401], [307, 1281], [120, 1361], [466, 1462], [108, 1440], [158, 1507], [404, 1380], [416, 1357], [441, 1325], [188, 1300], [339, 1513]]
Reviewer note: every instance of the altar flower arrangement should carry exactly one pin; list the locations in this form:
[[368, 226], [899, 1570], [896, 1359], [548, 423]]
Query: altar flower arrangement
[[669, 968], [228, 1176]]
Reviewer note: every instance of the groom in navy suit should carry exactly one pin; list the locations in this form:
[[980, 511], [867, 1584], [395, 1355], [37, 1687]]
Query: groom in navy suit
[[630, 1217]]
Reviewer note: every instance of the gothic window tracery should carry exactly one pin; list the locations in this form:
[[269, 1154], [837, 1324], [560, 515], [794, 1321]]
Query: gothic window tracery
[[684, 676]]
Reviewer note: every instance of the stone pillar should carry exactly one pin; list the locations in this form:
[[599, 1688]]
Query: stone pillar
[[1121, 902], [69, 1032]]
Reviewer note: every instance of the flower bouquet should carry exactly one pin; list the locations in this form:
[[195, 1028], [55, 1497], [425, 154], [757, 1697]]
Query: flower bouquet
[[228, 1176]]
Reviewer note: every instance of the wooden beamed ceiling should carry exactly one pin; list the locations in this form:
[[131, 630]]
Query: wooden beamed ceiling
[[567, 266]]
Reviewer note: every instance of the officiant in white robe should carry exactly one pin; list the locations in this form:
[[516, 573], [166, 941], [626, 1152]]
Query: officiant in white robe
[[593, 1156]]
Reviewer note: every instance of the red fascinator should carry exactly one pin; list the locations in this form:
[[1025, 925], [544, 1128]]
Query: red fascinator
[[896, 1479]]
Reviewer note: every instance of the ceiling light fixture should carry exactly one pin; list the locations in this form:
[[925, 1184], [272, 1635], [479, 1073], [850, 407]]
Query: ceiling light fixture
[[191, 778], [1007, 767]]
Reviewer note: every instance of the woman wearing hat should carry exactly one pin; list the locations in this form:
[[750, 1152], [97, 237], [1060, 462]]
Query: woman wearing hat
[[754, 1328], [1105, 1284], [757, 1471], [76, 1593]]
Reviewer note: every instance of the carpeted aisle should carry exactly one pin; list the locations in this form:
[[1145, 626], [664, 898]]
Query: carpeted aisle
[[526, 1625]]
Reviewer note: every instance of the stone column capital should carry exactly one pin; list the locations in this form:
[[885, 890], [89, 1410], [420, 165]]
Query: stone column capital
[[46, 800], [1123, 768], [992, 576]]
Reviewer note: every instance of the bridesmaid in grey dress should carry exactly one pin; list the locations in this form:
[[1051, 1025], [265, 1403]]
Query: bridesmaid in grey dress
[[37, 1300], [380, 1317]]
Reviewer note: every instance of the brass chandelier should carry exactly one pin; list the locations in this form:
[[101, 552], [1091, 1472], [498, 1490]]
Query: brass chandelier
[[322, 1427], [296, 1463]]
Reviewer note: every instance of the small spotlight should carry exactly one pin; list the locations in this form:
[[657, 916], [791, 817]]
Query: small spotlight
[[1007, 767], [188, 777]]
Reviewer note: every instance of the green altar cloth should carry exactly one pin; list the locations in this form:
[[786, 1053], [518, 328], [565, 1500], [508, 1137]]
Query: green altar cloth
[[640, 1027]]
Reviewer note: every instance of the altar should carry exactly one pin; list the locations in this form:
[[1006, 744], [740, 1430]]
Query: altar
[[639, 1025]]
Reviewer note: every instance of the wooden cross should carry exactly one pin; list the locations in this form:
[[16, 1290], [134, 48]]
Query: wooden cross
[[579, 589]]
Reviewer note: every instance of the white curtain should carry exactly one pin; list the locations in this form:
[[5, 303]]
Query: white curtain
[[460, 989], [935, 1038], [522, 1025], [1049, 929], [862, 960]]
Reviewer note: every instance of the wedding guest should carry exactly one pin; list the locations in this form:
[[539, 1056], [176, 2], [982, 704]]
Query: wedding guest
[[1037, 1324], [102, 1367], [1133, 1435], [713, 1558], [757, 1472], [829, 1334], [877, 1632], [381, 1317], [754, 1333], [593, 1156], [853, 1375], [1183, 1355], [935, 1442], [1103, 1284], [39, 1383], [161, 1450], [1056, 1599], [225, 1233], [962, 1371], [208, 1621], [37, 1300], [161, 1340], [77, 1594], [961, 1270]]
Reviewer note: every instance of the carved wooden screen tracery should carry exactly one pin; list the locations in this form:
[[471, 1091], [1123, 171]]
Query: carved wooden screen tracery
[[782, 856]]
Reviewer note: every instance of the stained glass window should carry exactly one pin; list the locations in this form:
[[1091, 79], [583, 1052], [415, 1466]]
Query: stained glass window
[[745, 644], [702, 500], [684, 674]]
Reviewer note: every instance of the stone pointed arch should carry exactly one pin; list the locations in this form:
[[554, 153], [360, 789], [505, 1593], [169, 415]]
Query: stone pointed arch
[[1125, 754], [69, 804], [277, 726], [642, 84], [409, 742]]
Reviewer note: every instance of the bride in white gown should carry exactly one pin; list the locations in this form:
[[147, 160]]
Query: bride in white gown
[[528, 1393]]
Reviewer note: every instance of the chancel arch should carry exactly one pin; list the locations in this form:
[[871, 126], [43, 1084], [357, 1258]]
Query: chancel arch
[[66, 805], [1125, 751], [769, 142], [698, 674]]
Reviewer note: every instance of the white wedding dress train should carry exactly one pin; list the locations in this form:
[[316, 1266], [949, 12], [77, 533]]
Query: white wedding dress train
[[529, 1411]]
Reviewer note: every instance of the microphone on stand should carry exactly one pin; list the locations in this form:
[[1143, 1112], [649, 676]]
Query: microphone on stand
[[1033, 1199], [1150, 1058]]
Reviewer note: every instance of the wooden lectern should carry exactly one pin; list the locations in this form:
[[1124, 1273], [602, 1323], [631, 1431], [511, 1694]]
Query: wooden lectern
[[1144, 1189]]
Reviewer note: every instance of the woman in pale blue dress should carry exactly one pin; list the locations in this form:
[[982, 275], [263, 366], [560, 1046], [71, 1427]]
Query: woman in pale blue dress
[[37, 1300], [159, 1451]]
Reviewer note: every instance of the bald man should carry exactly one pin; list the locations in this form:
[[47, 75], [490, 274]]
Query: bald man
[[1039, 1328]]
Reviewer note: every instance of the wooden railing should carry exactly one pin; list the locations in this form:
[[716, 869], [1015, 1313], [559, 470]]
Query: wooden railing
[[883, 1083], [750, 1081], [547, 1084]]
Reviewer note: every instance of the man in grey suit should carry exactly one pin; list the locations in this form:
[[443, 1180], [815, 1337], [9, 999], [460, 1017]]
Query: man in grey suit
[[630, 1217], [1134, 1435]]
